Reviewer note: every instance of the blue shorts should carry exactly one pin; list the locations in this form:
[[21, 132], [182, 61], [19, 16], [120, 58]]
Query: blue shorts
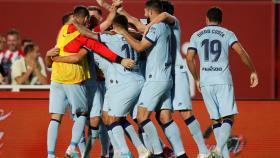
[[155, 94], [95, 96], [75, 94], [121, 98], [219, 100], [181, 98]]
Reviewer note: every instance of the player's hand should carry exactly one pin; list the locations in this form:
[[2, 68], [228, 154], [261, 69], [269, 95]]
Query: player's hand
[[254, 79], [197, 82], [117, 3], [128, 63], [147, 28], [53, 52]]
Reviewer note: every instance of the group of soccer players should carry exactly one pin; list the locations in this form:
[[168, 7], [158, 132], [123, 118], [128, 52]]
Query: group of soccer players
[[143, 72]]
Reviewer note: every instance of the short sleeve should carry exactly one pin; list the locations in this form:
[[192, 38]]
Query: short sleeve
[[153, 34], [103, 38], [192, 44], [232, 39]]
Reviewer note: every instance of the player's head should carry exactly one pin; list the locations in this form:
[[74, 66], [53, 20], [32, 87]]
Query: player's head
[[120, 21], [152, 8], [13, 40], [214, 15], [96, 12], [66, 18], [81, 14], [31, 51], [168, 7]]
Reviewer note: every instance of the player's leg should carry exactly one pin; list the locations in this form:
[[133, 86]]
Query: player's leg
[[148, 100], [182, 103], [76, 94], [57, 107], [227, 109], [134, 137], [170, 127], [104, 140]]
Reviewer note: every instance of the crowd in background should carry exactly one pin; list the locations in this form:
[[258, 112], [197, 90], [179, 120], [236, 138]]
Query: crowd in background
[[20, 61]]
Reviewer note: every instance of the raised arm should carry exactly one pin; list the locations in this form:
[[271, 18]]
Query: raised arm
[[108, 22], [162, 17], [192, 66], [237, 47]]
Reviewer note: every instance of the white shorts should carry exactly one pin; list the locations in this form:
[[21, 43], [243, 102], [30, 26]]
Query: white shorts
[[219, 100]]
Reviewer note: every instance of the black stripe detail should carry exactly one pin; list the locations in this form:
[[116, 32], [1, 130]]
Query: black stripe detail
[[217, 125], [99, 38], [229, 121], [94, 128], [192, 48], [167, 124], [145, 122], [190, 120], [147, 38], [55, 120], [113, 125], [125, 124], [233, 43], [119, 59]]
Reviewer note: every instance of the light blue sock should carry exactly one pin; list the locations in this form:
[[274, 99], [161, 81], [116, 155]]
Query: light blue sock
[[118, 134], [145, 140], [104, 139], [225, 131], [92, 138], [172, 133], [216, 129], [132, 134], [152, 135], [77, 131], [52, 136], [82, 143], [196, 133], [113, 140]]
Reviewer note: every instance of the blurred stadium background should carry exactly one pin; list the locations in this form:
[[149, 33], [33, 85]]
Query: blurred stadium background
[[24, 109]]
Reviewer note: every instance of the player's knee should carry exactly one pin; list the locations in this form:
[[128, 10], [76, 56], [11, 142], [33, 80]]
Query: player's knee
[[105, 118], [165, 116], [186, 114], [142, 114], [113, 119], [216, 121], [228, 119], [57, 117], [94, 121]]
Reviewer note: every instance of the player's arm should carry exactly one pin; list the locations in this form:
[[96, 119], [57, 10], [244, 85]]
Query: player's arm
[[72, 59], [237, 47], [108, 22], [85, 31], [133, 20], [191, 54], [138, 46], [162, 17], [102, 50], [51, 53]]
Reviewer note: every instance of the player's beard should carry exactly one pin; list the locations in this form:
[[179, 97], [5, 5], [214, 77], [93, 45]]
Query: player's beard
[[148, 20]]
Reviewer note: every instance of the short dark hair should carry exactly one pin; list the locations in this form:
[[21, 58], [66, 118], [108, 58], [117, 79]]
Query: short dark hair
[[154, 4], [168, 7], [26, 40], [81, 11], [215, 14], [13, 32], [95, 8], [121, 21], [66, 18], [29, 48]]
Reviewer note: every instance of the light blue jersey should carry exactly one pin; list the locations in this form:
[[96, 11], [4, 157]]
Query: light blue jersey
[[119, 45], [212, 44], [159, 60], [178, 60]]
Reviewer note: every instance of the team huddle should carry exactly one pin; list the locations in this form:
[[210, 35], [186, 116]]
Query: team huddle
[[104, 71]]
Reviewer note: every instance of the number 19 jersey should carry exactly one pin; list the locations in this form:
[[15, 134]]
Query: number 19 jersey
[[212, 44]]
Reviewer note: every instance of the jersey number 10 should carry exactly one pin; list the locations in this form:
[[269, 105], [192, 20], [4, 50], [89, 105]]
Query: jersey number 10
[[214, 47]]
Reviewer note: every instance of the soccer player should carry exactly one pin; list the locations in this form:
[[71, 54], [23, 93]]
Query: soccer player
[[212, 44], [67, 80], [157, 88], [181, 99]]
